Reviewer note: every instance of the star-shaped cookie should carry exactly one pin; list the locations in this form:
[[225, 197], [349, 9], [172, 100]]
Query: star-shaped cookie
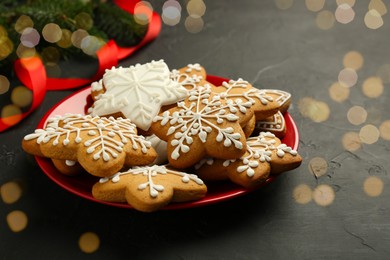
[[149, 188], [265, 155], [137, 92]]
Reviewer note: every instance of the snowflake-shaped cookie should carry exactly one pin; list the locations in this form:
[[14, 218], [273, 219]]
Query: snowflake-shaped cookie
[[265, 155], [203, 124], [137, 92], [264, 105], [149, 188], [101, 145]]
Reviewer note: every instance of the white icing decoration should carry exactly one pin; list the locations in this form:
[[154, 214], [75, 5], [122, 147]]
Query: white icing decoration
[[70, 163], [260, 148], [195, 66], [277, 124], [195, 120], [97, 86], [103, 131], [190, 82], [152, 171], [138, 92], [250, 95], [282, 96]]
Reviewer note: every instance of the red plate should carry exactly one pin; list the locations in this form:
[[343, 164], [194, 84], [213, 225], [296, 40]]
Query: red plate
[[82, 185]]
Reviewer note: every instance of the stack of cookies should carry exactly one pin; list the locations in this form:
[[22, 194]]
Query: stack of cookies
[[155, 136]]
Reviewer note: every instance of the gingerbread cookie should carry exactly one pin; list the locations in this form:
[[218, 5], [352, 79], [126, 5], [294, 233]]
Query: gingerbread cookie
[[190, 77], [275, 124], [203, 124], [150, 188], [101, 145], [250, 126], [137, 92], [264, 105], [265, 155], [281, 97]]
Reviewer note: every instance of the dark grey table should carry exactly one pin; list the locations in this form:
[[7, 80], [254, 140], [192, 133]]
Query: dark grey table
[[334, 206]]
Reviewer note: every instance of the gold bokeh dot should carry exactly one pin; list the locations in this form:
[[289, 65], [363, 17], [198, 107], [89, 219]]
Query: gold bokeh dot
[[351, 141], [325, 20], [11, 192], [143, 11], [51, 54], [78, 36], [314, 5], [344, 14], [196, 8], [378, 5], [323, 195], [51, 32], [353, 60], [171, 16], [89, 242], [66, 39], [302, 194], [373, 87], [320, 112], [384, 130], [369, 134], [284, 4], [6, 47], [17, 220], [4, 84], [91, 44], [348, 77], [351, 3], [11, 114], [373, 19], [373, 186], [384, 73], [21, 96], [318, 166], [193, 24], [317, 111], [25, 52], [23, 22], [357, 115], [83, 21], [339, 92]]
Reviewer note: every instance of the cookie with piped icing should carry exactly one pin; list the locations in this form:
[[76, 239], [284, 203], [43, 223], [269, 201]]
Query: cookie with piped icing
[[282, 98], [149, 188], [102, 146], [190, 76], [203, 124], [264, 105], [265, 155], [136, 92], [275, 124]]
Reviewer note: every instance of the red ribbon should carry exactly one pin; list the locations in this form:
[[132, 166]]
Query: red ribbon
[[31, 71]]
